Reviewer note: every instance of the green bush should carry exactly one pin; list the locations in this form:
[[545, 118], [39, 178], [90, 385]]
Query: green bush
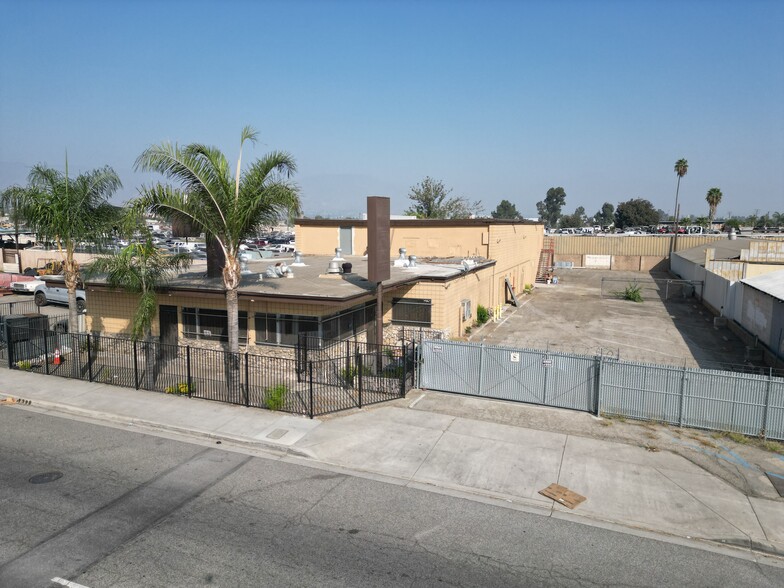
[[482, 315], [25, 365], [275, 396], [632, 292]]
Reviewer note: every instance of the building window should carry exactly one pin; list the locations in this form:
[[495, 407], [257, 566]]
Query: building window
[[207, 324], [465, 308], [411, 311], [285, 329]]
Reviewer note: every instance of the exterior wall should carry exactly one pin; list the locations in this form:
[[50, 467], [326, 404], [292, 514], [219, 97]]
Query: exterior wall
[[640, 245], [653, 263], [629, 263], [111, 312], [757, 313], [757, 269], [498, 241], [515, 249], [446, 299]]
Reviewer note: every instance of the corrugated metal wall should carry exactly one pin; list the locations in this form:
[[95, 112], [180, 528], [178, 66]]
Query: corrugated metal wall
[[644, 245], [707, 399]]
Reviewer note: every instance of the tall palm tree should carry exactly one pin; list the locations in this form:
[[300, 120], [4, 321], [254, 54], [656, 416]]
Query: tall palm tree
[[681, 168], [13, 198], [66, 211], [141, 269], [227, 207], [714, 199]]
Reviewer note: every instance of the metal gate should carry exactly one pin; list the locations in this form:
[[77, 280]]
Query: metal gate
[[520, 375]]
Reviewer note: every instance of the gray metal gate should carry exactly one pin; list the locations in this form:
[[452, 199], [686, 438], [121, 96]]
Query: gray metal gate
[[520, 375], [721, 400]]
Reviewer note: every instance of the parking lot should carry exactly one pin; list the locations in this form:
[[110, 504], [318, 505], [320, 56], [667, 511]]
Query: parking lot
[[573, 317]]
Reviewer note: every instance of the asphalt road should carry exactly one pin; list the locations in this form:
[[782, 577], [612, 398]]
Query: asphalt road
[[134, 509]]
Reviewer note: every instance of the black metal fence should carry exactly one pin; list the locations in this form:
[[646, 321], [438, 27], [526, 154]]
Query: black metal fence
[[316, 382]]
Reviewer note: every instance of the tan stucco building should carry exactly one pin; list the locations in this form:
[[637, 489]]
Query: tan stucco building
[[459, 265]]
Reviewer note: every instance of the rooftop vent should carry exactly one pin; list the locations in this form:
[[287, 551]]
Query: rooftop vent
[[298, 259], [402, 261], [333, 267]]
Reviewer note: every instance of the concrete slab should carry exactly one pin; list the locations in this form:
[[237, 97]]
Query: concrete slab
[[641, 495], [517, 468], [392, 441], [286, 430], [770, 514]]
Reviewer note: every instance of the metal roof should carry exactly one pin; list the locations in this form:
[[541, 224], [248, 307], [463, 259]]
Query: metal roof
[[725, 249], [771, 283]]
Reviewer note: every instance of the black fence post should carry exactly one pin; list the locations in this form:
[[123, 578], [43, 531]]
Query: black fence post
[[404, 379], [310, 387], [9, 345], [359, 371], [188, 370], [135, 366], [46, 349], [89, 359], [247, 382]]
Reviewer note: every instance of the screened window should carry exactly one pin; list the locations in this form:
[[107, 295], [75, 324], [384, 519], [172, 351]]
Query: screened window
[[411, 311], [208, 324]]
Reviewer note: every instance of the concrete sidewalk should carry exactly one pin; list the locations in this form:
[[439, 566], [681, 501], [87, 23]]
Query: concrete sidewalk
[[413, 441]]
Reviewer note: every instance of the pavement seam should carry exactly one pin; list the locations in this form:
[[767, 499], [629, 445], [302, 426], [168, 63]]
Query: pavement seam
[[741, 531], [421, 463], [754, 510]]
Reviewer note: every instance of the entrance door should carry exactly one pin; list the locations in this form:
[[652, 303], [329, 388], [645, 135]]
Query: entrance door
[[346, 241], [167, 316]]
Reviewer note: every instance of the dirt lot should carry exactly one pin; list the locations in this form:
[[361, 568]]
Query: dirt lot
[[573, 316]]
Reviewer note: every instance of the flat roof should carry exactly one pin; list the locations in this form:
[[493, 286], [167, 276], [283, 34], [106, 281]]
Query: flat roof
[[771, 283], [726, 249], [311, 283]]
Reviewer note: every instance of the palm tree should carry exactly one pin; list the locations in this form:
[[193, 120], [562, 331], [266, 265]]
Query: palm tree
[[681, 167], [141, 269], [66, 211], [714, 198], [227, 207], [13, 198]]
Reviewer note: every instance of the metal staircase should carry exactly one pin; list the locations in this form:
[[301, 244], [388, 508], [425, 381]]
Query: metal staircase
[[545, 260]]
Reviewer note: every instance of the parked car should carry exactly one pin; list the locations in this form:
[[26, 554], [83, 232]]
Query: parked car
[[27, 287], [57, 293]]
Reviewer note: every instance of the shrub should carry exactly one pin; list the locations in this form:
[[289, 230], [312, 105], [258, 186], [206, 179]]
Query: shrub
[[482, 316], [25, 365], [632, 292], [179, 388], [275, 396]]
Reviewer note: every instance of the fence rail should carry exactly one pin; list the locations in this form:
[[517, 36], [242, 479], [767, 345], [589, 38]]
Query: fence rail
[[748, 403], [323, 384]]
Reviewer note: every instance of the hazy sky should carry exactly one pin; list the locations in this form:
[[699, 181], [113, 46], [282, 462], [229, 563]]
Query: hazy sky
[[500, 100]]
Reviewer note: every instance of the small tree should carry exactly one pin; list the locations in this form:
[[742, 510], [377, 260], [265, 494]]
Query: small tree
[[575, 220], [12, 200], [65, 211], [431, 200], [635, 213], [506, 210], [549, 209], [141, 269]]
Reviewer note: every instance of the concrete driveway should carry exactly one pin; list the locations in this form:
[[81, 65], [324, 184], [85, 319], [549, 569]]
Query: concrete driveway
[[573, 317]]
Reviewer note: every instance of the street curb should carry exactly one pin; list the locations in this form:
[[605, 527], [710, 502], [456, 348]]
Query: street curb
[[155, 426]]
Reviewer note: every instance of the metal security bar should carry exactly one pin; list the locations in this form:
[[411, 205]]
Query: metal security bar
[[326, 382]]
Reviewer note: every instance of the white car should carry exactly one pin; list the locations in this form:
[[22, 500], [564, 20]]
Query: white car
[[57, 293], [27, 287]]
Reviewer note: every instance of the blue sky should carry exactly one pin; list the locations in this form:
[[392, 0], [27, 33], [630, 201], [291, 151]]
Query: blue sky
[[499, 100]]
